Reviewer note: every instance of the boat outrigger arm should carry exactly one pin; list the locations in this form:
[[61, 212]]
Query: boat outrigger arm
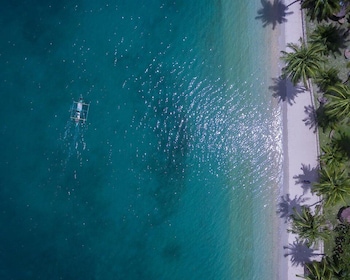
[[79, 111]]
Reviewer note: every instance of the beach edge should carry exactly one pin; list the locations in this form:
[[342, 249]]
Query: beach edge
[[300, 147]]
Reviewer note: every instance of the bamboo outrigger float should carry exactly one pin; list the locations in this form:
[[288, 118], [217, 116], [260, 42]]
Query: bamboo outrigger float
[[79, 112]]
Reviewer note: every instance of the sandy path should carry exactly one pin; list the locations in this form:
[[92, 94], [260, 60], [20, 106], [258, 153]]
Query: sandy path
[[300, 156]]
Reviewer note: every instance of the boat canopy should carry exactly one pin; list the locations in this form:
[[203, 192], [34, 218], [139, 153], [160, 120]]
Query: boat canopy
[[79, 112]]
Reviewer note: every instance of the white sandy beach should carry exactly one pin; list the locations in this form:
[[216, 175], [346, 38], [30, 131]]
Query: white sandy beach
[[300, 155]]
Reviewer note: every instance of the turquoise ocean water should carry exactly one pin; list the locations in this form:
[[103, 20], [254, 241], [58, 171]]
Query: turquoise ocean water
[[176, 172]]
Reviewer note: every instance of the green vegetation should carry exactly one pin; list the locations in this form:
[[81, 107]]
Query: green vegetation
[[323, 270], [338, 105], [330, 37], [303, 62], [327, 77], [320, 60], [310, 227], [320, 9], [334, 185]]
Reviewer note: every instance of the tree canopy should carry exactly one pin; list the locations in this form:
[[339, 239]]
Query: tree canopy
[[320, 9], [303, 62]]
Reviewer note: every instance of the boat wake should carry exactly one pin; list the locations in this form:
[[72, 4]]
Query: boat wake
[[73, 138], [74, 142]]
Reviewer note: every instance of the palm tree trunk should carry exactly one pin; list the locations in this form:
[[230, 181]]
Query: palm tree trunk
[[294, 2], [317, 202]]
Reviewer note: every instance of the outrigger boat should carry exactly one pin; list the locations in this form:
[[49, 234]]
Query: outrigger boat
[[79, 111]]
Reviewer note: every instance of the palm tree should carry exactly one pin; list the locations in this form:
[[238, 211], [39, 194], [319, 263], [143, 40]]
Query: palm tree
[[309, 227], [332, 156], [341, 140], [333, 185], [339, 101], [323, 270], [303, 62], [325, 121], [320, 9], [329, 36], [326, 78]]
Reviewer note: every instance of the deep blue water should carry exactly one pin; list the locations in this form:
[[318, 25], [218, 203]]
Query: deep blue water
[[174, 175]]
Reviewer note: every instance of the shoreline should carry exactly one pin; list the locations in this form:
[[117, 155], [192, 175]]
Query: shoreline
[[281, 235], [300, 151]]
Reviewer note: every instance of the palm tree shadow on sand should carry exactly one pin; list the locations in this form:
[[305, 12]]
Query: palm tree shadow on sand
[[287, 206], [307, 177], [272, 13], [311, 119], [284, 90], [299, 253]]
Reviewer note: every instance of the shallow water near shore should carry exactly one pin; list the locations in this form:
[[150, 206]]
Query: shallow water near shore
[[176, 172]]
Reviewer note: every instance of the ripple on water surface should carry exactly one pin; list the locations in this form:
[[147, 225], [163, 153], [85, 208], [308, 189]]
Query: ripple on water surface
[[174, 175]]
